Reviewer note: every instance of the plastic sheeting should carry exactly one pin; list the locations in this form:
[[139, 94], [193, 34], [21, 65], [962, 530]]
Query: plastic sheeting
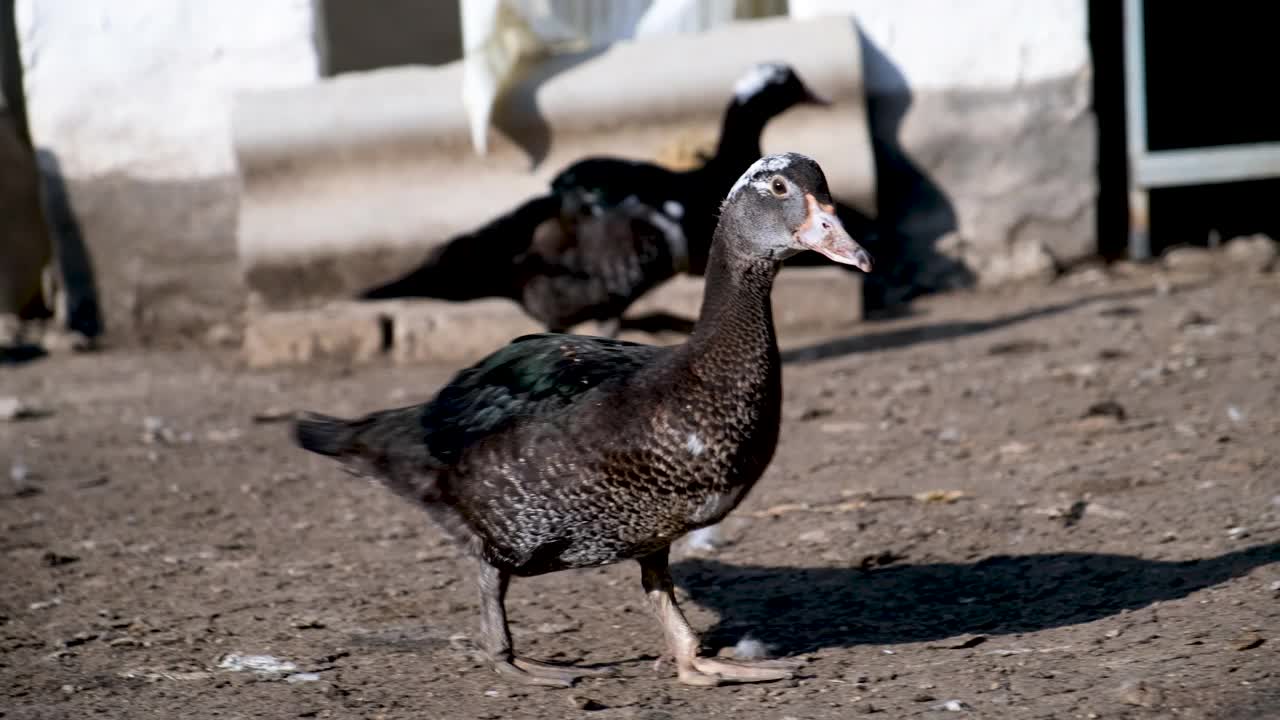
[[503, 39]]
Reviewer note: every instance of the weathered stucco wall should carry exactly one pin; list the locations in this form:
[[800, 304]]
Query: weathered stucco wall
[[985, 139], [979, 115], [130, 101]]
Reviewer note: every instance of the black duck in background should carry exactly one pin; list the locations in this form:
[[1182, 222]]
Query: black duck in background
[[610, 229], [565, 451]]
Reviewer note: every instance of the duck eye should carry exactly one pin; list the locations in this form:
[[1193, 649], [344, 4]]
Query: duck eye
[[779, 187]]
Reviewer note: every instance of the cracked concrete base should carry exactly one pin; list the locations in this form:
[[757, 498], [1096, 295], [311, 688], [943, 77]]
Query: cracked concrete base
[[438, 331]]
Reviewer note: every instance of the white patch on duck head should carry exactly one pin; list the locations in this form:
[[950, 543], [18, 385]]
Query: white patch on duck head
[[673, 208], [768, 163], [694, 444], [757, 78]]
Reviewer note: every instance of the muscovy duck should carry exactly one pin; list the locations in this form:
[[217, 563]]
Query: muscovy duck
[[566, 451]]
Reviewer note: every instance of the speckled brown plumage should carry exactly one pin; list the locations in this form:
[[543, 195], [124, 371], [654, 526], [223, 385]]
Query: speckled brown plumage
[[563, 451]]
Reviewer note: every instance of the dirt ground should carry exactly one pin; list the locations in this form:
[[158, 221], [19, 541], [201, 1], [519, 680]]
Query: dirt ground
[[1052, 502]]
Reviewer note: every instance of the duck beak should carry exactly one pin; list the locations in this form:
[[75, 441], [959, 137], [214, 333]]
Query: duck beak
[[821, 231]]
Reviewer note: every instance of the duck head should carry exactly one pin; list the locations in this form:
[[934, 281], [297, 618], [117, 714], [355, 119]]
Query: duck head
[[781, 206], [771, 88]]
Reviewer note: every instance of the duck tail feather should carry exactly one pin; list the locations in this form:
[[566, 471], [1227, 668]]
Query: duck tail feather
[[322, 434]]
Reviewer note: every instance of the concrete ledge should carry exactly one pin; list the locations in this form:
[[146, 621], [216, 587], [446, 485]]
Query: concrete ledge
[[437, 331]]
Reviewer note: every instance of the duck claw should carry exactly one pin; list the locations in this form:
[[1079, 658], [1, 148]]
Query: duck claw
[[716, 671], [534, 672]]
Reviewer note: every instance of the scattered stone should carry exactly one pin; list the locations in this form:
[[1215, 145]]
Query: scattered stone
[[585, 703], [224, 436], [1106, 408], [952, 706], [1120, 311], [1112, 354], [259, 664], [1091, 276], [1018, 347], [12, 409], [1188, 258], [221, 335], [1075, 513], [1084, 373], [841, 428], [308, 622], [813, 537], [43, 604], [273, 415], [914, 386], [1139, 693], [1238, 532], [949, 435], [79, 638], [95, 481], [24, 480], [19, 472], [304, 677], [1256, 252], [923, 697], [1249, 641], [53, 559], [548, 628], [880, 559], [156, 431], [1234, 414], [1014, 448], [942, 496], [749, 648], [1192, 318], [813, 413]]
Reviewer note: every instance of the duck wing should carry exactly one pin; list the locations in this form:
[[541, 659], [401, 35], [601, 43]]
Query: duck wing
[[534, 377]]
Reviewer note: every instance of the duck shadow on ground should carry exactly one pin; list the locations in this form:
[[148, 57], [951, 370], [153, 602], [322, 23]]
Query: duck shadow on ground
[[801, 610], [934, 332]]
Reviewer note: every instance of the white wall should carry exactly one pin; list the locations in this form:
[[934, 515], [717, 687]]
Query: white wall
[[978, 44], [142, 87]]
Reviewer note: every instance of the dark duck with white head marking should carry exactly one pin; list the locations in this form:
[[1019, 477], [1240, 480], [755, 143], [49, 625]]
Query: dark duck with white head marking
[[611, 229], [565, 451]]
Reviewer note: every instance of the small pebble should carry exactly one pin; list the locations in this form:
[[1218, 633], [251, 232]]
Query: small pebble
[[749, 648], [952, 706], [13, 409], [585, 703]]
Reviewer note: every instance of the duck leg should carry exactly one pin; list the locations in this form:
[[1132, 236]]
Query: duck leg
[[682, 641], [495, 639]]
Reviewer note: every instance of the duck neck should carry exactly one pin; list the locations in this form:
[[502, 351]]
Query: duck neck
[[740, 138], [735, 327]]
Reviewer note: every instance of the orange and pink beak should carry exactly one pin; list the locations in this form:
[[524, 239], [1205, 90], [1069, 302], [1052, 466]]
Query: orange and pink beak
[[823, 232]]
